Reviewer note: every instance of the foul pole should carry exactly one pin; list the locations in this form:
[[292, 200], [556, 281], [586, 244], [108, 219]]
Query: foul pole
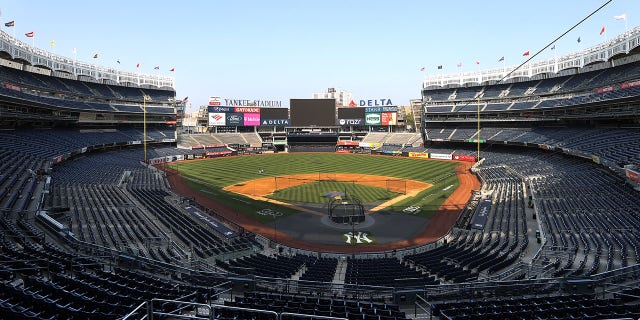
[[478, 136]]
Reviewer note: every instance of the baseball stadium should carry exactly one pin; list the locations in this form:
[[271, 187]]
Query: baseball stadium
[[516, 197]]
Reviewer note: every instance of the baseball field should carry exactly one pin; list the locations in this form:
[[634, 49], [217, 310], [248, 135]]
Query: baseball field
[[290, 183]]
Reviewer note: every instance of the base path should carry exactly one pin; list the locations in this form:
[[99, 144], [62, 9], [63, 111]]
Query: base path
[[438, 225], [258, 189]]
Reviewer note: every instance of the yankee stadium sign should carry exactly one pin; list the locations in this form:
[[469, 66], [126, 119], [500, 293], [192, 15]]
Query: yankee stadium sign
[[252, 103]]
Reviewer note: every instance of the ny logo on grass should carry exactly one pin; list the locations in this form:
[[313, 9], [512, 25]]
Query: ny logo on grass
[[360, 237]]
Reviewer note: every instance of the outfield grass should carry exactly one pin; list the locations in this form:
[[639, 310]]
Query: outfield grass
[[210, 176]]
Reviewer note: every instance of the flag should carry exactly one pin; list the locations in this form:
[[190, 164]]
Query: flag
[[602, 30], [439, 67], [526, 54], [74, 51], [95, 56], [421, 69], [501, 59], [10, 23], [477, 62], [172, 69], [579, 40], [52, 43], [459, 64], [137, 65], [118, 61], [620, 17], [185, 99], [156, 68], [30, 34]]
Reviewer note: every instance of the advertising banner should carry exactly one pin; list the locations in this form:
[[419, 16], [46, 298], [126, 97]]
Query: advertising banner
[[464, 157], [217, 153], [216, 119], [372, 119], [441, 156], [275, 122], [214, 101], [605, 89], [418, 155], [481, 215], [632, 175], [388, 118], [349, 122], [251, 119], [630, 84], [349, 143], [381, 109], [235, 119], [157, 161], [246, 110], [219, 109]]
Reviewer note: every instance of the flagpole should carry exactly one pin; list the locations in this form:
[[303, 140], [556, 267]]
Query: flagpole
[[555, 60]]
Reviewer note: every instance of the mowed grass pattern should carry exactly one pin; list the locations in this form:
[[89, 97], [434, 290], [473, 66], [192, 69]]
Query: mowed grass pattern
[[314, 192], [231, 170], [210, 176]]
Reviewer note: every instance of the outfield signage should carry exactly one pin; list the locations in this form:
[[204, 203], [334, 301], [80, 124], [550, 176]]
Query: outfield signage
[[219, 109], [381, 109], [246, 110], [235, 119], [388, 118], [372, 119], [464, 157], [349, 143], [216, 119], [376, 102], [371, 145], [217, 153], [350, 122], [275, 122], [252, 119], [418, 155], [441, 156]]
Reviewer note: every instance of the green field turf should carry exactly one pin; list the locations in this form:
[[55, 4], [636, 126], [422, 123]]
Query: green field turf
[[210, 176], [314, 192]]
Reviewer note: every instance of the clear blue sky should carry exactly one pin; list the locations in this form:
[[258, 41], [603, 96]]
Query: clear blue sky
[[277, 50]]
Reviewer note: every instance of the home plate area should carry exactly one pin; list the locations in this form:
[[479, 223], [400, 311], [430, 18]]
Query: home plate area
[[378, 228]]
